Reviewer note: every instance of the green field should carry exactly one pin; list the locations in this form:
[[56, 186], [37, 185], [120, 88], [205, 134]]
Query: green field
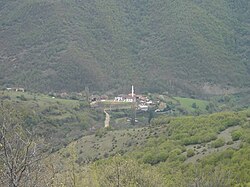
[[187, 103], [112, 105]]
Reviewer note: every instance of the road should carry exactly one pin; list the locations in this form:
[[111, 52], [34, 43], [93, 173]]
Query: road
[[107, 119]]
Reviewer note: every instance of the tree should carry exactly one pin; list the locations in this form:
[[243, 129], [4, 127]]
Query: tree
[[20, 155], [150, 115], [205, 177], [194, 105], [190, 153], [120, 172], [87, 94]]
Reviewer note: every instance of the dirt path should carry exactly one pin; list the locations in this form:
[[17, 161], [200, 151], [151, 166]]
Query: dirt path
[[107, 119]]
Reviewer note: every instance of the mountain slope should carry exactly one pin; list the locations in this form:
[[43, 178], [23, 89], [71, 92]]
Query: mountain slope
[[185, 151], [179, 46]]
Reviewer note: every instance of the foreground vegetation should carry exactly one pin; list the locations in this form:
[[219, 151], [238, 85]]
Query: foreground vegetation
[[185, 151]]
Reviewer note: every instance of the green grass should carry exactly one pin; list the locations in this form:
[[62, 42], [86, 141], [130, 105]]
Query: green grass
[[110, 104], [60, 121], [187, 103], [106, 143]]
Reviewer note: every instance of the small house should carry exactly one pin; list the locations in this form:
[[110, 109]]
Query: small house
[[104, 97], [129, 99], [143, 107], [19, 89]]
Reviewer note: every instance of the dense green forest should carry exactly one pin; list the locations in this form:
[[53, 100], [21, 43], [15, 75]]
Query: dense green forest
[[184, 47]]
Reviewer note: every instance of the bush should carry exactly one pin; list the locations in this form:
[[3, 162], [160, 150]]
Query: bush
[[5, 97], [218, 143], [236, 135], [155, 158], [190, 153], [230, 142], [22, 98], [101, 132]]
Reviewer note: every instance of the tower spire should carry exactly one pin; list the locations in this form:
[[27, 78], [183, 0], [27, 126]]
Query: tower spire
[[132, 91]]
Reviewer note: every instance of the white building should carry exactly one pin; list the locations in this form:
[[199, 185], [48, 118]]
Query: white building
[[143, 107]]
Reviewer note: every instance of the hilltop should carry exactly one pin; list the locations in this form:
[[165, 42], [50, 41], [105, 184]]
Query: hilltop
[[184, 47]]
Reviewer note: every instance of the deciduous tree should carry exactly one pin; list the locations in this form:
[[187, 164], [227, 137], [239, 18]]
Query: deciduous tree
[[20, 154]]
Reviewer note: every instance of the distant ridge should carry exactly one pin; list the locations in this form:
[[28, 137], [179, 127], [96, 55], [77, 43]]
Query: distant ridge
[[157, 45]]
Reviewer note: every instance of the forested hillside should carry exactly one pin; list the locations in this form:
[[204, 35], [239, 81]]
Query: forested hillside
[[195, 46], [208, 150]]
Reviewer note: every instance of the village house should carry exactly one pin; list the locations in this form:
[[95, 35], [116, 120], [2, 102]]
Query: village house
[[79, 94], [16, 89], [150, 102], [129, 99], [142, 99], [104, 97], [132, 97], [124, 98], [118, 98], [143, 107], [64, 95]]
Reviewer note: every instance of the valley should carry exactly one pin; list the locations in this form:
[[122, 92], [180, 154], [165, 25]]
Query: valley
[[124, 93]]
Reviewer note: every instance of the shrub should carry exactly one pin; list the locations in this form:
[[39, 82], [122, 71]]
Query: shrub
[[5, 97], [230, 142], [190, 153], [22, 98], [236, 135], [218, 143], [67, 155], [155, 158], [101, 132]]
